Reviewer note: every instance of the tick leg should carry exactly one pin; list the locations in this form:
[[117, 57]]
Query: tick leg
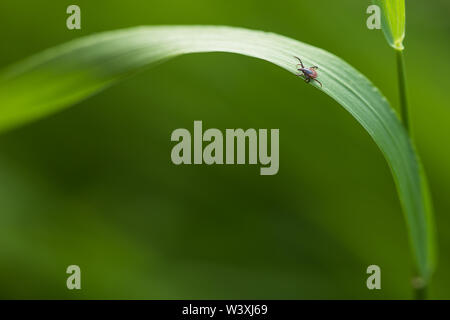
[[301, 63], [318, 82]]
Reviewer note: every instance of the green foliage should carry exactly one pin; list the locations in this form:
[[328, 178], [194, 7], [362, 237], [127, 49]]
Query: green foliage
[[393, 21], [63, 76]]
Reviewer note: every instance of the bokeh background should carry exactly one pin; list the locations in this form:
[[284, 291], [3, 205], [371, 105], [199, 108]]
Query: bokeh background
[[94, 185]]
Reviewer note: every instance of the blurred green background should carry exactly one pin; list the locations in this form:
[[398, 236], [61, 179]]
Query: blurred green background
[[94, 185]]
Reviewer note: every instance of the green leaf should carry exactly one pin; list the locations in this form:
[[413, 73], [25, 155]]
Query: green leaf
[[65, 75], [393, 21]]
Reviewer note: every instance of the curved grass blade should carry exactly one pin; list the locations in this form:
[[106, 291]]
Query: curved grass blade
[[62, 76], [393, 21]]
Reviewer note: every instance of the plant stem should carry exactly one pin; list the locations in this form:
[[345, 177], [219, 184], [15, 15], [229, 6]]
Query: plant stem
[[419, 286], [420, 293], [402, 90], [420, 289]]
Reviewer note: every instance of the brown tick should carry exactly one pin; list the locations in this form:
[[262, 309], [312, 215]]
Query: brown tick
[[307, 74]]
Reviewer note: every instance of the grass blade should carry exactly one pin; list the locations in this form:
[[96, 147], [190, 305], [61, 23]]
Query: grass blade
[[62, 76], [393, 21]]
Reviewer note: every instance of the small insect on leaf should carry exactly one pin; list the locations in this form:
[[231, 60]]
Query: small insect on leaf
[[307, 74]]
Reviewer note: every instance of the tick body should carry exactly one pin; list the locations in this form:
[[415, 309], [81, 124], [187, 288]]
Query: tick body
[[308, 74]]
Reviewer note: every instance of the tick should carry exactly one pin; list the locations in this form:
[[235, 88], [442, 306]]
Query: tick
[[308, 74]]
